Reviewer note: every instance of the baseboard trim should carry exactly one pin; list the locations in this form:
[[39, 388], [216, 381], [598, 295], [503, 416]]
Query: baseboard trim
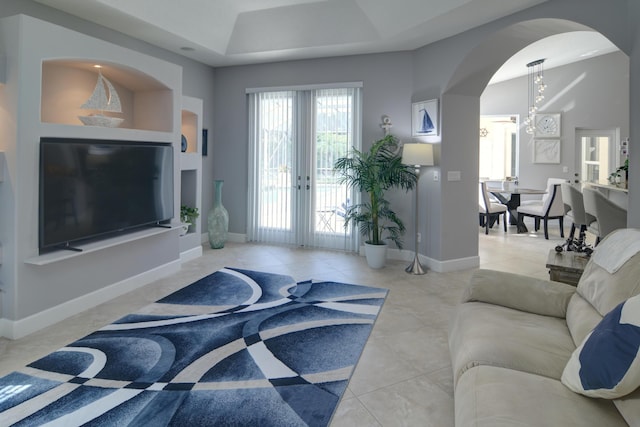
[[452, 264], [190, 254], [231, 237], [15, 329], [237, 238], [432, 264]]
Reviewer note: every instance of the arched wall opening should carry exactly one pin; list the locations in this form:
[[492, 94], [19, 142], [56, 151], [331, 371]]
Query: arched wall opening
[[451, 214]]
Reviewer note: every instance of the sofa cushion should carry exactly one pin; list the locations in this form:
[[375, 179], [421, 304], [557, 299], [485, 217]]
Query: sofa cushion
[[605, 290], [581, 318], [487, 334], [519, 292], [629, 407], [607, 363], [620, 247], [491, 396]]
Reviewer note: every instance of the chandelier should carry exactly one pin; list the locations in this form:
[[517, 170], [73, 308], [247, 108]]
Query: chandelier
[[536, 92]]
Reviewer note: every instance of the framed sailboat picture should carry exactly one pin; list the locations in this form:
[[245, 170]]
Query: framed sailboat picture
[[425, 118]]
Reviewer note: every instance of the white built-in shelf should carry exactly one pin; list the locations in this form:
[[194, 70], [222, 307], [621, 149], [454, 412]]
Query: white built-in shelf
[[146, 103], [190, 161], [61, 255], [92, 132]]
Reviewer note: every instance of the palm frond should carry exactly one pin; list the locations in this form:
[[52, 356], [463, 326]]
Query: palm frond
[[374, 172]]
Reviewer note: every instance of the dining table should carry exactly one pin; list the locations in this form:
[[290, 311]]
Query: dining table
[[513, 201]]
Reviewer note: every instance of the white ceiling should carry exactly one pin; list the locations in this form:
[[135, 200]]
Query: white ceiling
[[233, 32]]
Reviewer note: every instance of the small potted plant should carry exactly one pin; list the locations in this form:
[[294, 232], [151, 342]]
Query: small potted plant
[[616, 177], [188, 216], [374, 172]]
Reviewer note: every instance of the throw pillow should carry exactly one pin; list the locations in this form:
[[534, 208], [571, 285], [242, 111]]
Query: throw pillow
[[607, 363]]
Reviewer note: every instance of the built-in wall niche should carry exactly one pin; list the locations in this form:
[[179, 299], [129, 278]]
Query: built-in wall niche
[[190, 131], [146, 103], [188, 192]]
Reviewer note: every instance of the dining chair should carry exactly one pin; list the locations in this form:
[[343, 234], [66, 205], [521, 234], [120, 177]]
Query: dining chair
[[549, 207], [608, 216], [574, 210], [489, 211]]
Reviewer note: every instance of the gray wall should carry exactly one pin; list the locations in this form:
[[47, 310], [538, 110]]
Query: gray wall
[[463, 65], [460, 65], [592, 94], [456, 71], [197, 78], [387, 90]]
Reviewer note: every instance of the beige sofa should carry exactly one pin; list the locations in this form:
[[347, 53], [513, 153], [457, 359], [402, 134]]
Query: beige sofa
[[512, 337]]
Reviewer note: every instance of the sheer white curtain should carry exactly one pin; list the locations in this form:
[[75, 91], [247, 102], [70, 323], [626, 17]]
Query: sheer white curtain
[[295, 137], [271, 154]]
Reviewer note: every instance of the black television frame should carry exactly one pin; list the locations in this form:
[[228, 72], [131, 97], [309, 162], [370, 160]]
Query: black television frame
[[44, 245]]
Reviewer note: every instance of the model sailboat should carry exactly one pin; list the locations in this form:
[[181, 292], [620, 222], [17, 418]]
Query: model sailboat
[[104, 98]]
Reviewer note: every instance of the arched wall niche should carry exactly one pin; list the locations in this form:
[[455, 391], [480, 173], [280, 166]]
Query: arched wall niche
[[67, 83]]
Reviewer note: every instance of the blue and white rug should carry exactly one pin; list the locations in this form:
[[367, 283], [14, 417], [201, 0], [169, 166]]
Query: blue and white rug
[[236, 348]]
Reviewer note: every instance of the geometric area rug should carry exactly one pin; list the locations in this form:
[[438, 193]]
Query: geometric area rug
[[236, 348]]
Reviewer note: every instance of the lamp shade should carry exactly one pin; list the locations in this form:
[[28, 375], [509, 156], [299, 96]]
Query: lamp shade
[[417, 154]]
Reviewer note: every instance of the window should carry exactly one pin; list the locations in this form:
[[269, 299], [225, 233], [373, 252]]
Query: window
[[498, 147], [598, 158]]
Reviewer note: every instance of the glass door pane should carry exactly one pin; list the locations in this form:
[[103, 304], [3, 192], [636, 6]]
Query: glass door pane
[[295, 138], [274, 152], [333, 135]]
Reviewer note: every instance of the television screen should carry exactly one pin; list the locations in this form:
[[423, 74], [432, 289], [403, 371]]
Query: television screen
[[91, 188]]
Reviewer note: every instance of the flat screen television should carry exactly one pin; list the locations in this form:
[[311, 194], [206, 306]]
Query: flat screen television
[[94, 188]]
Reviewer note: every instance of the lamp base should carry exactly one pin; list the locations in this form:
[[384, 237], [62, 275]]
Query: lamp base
[[415, 267]]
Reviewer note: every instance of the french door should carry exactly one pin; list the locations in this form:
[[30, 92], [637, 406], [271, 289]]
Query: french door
[[295, 137]]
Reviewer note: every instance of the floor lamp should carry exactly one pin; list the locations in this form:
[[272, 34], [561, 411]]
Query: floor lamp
[[417, 155]]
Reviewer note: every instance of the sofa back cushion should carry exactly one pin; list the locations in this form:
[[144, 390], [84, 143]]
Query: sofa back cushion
[[612, 275], [607, 363], [581, 318]]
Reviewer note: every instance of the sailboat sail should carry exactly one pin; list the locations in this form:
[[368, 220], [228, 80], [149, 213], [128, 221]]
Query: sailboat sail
[[426, 125], [104, 97]]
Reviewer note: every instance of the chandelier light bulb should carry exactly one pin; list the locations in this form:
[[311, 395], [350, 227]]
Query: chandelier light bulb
[[539, 78], [533, 109], [529, 129], [539, 98], [542, 87]]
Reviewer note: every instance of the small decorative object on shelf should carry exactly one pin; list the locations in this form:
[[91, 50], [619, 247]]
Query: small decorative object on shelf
[[188, 217], [185, 228], [183, 144], [218, 220], [104, 98]]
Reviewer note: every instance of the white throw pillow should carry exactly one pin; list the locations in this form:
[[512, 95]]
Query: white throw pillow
[[607, 363]]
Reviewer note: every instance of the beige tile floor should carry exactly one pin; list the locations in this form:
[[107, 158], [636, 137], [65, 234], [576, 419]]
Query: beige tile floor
[[404, 375]]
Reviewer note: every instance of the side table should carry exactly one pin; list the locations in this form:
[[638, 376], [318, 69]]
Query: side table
[[566, 267]]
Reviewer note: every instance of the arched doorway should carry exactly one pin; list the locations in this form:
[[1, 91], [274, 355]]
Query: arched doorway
[[452, 220]]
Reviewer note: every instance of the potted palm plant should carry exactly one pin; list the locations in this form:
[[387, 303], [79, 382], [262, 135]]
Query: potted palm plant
[[374, 172]]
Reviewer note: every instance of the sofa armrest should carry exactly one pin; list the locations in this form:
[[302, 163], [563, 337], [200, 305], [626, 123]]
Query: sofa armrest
[[519, 292]]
